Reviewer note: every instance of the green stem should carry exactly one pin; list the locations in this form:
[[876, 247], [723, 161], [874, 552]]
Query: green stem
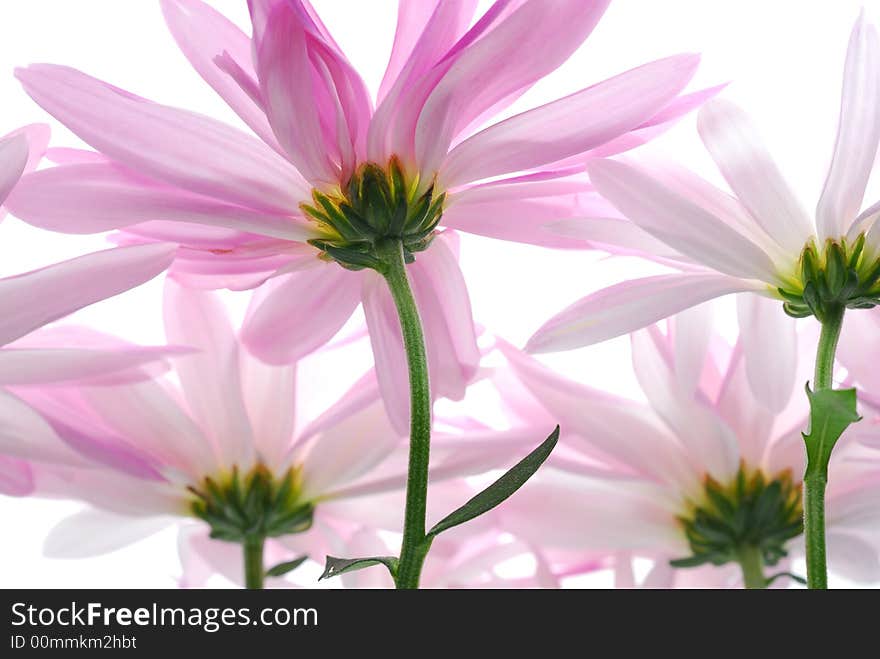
[[253, 562], [415, 543], [816, 476], [752, 564]]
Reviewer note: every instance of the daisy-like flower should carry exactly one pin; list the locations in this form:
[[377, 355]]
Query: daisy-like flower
[[761, 240], [705, 477], [229, 447], [31, 300], [328, 177]]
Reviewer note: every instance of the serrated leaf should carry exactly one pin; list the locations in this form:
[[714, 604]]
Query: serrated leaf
[[501, 489], [336, 566], [832, 411], [287, 566]]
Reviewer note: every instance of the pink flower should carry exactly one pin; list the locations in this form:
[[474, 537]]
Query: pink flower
[[248, 208], [145, 455], [31, 300], [658, 479], [761, 240]]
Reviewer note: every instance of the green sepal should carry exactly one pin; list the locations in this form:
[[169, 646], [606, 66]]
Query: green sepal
[[501, 489], [832, 411], [286, 567], [336, 566]]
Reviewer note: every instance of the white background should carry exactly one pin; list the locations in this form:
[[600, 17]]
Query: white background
[[784, 59]]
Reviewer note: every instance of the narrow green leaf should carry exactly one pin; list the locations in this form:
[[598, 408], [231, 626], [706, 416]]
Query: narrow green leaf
[[690, 561], [831, 413], [336, 566], [501, 489], [287, 566]]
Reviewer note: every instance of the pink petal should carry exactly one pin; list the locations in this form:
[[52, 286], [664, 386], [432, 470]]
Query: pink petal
[[92, 198], [207, 38], [188, 150], [31, 300], [740, 154], [24, 434], [626, 307], [13, 159], [770, 345], [316, 103], [657, 124], [16, 479], [571, 125], [858, 133], [492, 68], [444, 306], [523, 220], [210, 379], [679, 222], [295, 314], [426, 29]]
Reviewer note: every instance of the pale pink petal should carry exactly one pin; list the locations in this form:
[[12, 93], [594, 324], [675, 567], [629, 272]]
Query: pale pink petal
[[349, 449], [858, 134], [92, 198], [210, 379], [740, 154], [185, 149], [691, 333], [32, 300], [293, 315], [570, 512], [57, 365], [770, 345], [270, 398], [13, 158], [860, 331], [614, 426], [658, 124], [207, 38], [93, 533], [614, 234], [444, 307], [679, 222], [492, 68], [571, 125], [708, 441], [853, 558], [628, 306]]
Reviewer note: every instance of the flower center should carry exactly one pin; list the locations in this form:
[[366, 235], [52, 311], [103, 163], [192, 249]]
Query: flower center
[[840, 275], [753, 512], [378, 203], [239, 507]]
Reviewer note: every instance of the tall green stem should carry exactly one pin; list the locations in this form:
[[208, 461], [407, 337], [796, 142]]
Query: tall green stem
[[816, 476], [415, 543], [752, 564], [254, 570]]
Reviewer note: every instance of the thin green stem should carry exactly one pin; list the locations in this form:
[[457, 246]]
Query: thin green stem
[[816, 476], [752, 564], [253, 562], [831, 326], [415, 544]]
